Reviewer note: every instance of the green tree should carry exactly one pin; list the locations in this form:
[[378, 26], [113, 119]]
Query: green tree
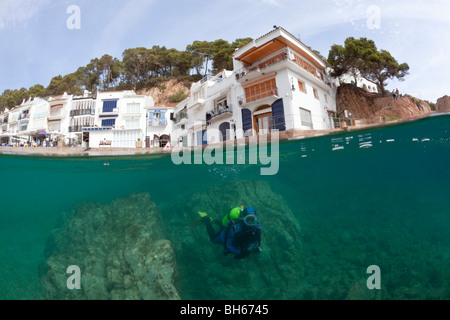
[[59, 85], [36, 91], [88, 76], [360, 57], [109, 70], [381, 66], [201, 53], [350, 58], [136, 65]]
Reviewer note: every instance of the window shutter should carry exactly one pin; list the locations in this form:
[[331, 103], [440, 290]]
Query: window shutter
[[279, 122]]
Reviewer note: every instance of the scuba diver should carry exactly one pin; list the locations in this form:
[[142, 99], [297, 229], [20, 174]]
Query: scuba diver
[[240, 232]]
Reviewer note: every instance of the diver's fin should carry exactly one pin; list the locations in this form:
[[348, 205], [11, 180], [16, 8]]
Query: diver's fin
[[202, 214], [204, 217]]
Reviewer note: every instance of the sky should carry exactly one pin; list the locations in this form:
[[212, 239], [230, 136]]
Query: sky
[[40, 39]]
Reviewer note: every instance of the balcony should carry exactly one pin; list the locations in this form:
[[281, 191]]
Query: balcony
[[219, 114], [76, 128], [263, 96], [197, 103], [265, 66], [82, 112], [56, 114], [181, 117], [157, 122], [23, 116], [257, 68]]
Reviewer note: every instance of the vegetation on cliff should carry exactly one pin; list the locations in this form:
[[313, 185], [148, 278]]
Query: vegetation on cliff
[[360, 57], [139, 68]]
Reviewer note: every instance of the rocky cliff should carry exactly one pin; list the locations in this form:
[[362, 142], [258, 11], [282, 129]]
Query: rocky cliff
[[168, 92], [374, 108], [443, 104]]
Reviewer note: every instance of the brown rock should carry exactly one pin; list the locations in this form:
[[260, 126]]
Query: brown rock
[[373, 107], [443, 104]]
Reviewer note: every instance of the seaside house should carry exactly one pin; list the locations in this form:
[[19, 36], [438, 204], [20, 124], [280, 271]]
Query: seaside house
[[208, 107], [159, 126], [82, 115], [23, 124], [4, 135], [120, 120], [13, 124], [39, 120], [283, 85], [361, 82], [58, 119], [277, 83]]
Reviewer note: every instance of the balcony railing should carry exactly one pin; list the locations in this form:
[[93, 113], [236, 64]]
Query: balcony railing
[[210, 115], [180, 116], [280, 57], [260, 65], [82, 112], [76, 128], [157, 122], [23, 116], [268, 92]]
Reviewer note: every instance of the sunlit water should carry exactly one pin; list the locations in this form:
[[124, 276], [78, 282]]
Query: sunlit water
[[373, 197]]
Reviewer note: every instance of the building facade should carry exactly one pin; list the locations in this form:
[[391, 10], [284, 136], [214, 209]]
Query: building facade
[[120, 120], [278, 83], [283, 85]]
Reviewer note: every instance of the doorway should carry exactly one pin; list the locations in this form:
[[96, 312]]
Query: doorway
[[262, 119]]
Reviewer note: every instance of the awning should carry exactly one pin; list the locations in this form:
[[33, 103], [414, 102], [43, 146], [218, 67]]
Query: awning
[[43, 133]]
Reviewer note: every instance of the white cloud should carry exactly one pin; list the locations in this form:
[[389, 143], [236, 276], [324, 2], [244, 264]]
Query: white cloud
[[14, 12]]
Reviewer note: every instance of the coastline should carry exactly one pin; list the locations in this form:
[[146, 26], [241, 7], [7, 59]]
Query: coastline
[[111, 151]]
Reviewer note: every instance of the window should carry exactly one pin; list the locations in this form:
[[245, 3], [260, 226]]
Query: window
[[109, 106], [132, 124], [109, 123], [305, 117], [261, 90], [133, 108], [198, 95], [301, 86], [316, 93], [157, 118], [221, 104]]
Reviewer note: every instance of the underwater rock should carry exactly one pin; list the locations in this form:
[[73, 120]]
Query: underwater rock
[[120, 248], [205, 273]]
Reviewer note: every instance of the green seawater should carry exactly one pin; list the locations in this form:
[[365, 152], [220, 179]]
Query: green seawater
[[373, 197]]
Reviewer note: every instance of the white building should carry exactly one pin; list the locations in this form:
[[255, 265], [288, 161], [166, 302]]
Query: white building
[[159, 126], [208, 107], [361, 82], [277, 83], [284, 85], [120, 120], [82, 115]]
